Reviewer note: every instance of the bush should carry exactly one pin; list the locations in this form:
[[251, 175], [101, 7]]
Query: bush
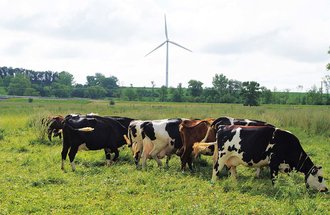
[[30, 100], [111, 102]]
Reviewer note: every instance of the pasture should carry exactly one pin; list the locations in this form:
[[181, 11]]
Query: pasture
[[31, 180]]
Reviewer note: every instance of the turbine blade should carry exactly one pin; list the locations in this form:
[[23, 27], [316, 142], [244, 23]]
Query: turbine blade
[[155, 48], [165, 27], [179, 46]]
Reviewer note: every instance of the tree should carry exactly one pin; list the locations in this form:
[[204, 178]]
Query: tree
[[61, 90], [163, 93], [78, 91], [177, 94], [314, 96], [65, 78], [130, 93], [195, 88], [18, 85], [220, 83], [95, 92], [109, 84], [266, 95], [250, 93]]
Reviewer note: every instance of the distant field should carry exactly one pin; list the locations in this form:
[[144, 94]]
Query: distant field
[[31, 180]]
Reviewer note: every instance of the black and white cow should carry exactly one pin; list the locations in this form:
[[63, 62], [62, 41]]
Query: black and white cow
[[160, 138], [135, 140], [154, 139], [92, 132], [215, 125], [234, 121], [258, 146]]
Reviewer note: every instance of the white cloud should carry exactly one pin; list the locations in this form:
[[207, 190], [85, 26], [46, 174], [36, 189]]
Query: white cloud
[[277, 43]]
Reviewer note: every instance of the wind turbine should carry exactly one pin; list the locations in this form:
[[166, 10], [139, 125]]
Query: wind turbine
[[167, 41]]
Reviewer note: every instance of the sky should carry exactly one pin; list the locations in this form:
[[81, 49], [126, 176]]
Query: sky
[[281, 44]]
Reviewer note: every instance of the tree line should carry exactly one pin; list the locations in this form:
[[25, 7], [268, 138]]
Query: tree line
[[22, 82]]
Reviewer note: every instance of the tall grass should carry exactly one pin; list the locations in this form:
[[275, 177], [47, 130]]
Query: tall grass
[[31, 180]]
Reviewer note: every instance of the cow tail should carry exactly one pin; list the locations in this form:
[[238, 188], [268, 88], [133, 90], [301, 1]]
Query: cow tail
[[207, 134], [84, 129], [216, 152]]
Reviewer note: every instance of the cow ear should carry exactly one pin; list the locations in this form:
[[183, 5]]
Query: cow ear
[[319, 167]]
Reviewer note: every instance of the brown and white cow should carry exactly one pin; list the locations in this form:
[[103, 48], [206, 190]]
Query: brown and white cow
[[257, 146], [193, 131], [54, 126]]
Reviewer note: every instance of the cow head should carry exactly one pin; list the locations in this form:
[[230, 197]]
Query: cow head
[[55, 127], [202, 148], [315, 180]]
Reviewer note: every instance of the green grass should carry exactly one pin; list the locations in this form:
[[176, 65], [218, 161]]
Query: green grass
[[31, 180]]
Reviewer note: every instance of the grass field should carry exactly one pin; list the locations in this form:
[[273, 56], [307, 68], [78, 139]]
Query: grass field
[[31, 180]]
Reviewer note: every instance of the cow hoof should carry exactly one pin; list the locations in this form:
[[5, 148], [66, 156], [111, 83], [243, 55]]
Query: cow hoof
[[109, 163]]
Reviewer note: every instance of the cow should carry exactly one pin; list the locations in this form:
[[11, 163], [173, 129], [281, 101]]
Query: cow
[[54, 126], [192, 131], [160, 138], [211, 133], [134, 140], [257, 146], [91, 133]]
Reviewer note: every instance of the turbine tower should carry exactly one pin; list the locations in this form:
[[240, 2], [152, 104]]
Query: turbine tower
[[167, 41]]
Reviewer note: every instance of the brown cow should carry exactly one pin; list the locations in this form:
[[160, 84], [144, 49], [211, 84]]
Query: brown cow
[[193, 131], [54, 126]]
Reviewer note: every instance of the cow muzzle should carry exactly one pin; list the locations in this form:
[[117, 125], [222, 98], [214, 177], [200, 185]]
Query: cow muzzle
[[323, 190]]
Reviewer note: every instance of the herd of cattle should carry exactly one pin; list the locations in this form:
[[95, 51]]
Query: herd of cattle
[[232, 142]]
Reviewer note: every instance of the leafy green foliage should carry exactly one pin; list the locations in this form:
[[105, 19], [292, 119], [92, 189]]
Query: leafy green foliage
[[250, 93]]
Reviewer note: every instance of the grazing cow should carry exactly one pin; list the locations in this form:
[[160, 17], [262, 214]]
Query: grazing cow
[[258, 146], [233, 121], [54, 126], [193, 131], [135, 141], [209, 149], [91, 133], [160, 138]]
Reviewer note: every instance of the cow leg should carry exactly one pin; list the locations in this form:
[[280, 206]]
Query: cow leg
[[217, 166], [107, 156], [115, 158], [154, 155], [184, 159], [137, 157], [72, 154], [144, 160], [273, 174], [258, 170], [190, 161], [64, 153], [168, 157], [233, 172]]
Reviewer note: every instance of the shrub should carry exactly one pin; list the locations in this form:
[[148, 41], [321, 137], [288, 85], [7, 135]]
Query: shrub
[[111, 102]]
